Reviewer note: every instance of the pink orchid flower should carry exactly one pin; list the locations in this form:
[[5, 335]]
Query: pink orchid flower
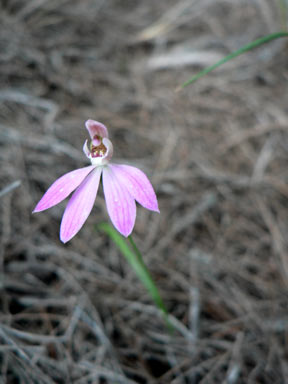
[[122, 185]]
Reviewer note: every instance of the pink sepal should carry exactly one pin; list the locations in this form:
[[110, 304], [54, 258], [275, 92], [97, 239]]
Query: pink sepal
[[62, 188], [96, 128], [120, 204], [138, 185], [80, 206]]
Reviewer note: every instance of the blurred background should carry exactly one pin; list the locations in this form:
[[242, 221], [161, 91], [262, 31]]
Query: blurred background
[[217, 155]]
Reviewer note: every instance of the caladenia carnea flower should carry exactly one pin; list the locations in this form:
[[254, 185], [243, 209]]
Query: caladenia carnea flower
[[123, 185]]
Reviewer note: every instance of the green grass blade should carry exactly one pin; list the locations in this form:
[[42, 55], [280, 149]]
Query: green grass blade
[[245, 48], [137, 264]]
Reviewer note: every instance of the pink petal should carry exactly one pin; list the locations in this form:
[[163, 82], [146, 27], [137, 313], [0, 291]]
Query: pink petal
[[96, 128], [86, 149], [138, 185], [109, 146], [80, 206], [120, 204], [62, 187]]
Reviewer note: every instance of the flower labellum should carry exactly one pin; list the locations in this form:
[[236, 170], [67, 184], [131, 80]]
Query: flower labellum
[[123, 185]]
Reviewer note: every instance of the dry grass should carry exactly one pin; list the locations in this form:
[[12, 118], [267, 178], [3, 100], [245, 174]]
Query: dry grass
[[217, 155]]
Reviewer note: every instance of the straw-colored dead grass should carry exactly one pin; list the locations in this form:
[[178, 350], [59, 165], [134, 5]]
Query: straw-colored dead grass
[[217, 155]]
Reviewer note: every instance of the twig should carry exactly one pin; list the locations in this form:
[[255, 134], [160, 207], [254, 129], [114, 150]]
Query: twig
[[10, 188]]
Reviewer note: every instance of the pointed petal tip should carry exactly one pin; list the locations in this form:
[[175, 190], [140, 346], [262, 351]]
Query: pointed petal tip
[[65, 237], [123, 230], [64, 241], [156, 208], [40, 206], [153, 206], [125, 233], [38, 209]]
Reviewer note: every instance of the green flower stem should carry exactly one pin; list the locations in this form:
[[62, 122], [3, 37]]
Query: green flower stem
[[135, 249], [135, 259], [146, 277], [245, 48]]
